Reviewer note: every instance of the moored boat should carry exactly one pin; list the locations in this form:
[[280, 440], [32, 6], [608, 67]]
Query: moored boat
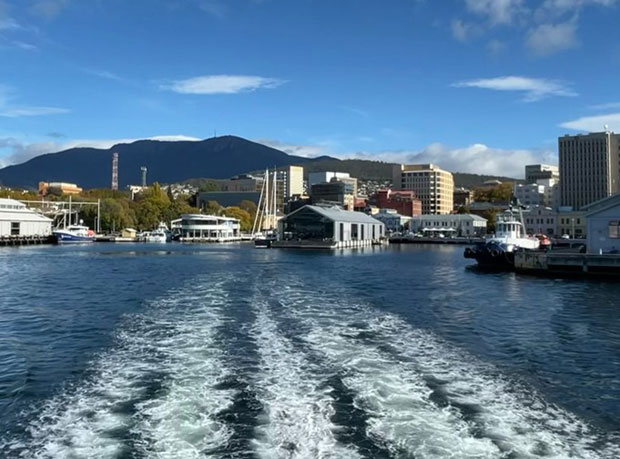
[[74, 234], [498, 251]]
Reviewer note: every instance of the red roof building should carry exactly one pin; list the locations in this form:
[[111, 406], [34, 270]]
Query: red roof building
[[404, 202]]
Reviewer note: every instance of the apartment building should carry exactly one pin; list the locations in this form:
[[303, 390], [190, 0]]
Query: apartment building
[[432, 185]]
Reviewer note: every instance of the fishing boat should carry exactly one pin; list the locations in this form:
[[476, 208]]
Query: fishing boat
[[157, 235], [264, 230], [74, 234], [498, 251]]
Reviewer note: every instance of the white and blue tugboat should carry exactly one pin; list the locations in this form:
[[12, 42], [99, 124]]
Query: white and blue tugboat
[[74, 234], [498, 252]]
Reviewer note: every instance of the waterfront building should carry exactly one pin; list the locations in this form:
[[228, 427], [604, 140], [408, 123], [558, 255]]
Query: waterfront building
[[18, 221], [209, 228], [328, 227], [603, 225], [462, 197], [542, 193], [535, 172], [332, 193], [403, 202], [432, 185], [46, 188], [292, 178], [571, 222], [589, 168], [540, 219], [393, 221], [315, 178], [462, 225]]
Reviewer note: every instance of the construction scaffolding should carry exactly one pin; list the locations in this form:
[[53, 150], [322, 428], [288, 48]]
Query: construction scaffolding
[[65, 213]]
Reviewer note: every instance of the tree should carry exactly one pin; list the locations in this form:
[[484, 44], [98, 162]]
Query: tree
[[243, 216], [212, 208]]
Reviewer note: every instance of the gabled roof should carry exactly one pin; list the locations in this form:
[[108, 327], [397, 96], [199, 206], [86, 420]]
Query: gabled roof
[[602, 205], [338, 214]]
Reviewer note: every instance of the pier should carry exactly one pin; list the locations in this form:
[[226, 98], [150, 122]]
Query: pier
[[559, 263], [25, 240]]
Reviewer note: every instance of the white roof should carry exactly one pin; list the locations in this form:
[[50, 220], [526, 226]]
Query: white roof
[[340, 215], [12, 210]]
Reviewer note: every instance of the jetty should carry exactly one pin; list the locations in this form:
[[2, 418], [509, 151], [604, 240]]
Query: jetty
[[564, 263]]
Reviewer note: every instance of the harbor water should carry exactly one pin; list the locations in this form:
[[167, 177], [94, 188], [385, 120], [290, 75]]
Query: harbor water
[[225, 351]]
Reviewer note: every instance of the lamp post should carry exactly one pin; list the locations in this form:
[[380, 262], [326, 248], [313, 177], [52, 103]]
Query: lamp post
[[572, 223]]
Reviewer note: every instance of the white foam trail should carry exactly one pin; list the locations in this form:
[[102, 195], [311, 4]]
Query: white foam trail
[[297, 407], [506, 419], [176, 337]]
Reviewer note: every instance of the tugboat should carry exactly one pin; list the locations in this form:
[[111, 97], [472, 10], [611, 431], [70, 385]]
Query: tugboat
[[498, 252], [74, 234]]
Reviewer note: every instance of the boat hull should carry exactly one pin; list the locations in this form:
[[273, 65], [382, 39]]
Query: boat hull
[[263, 243], [489, 257], [67, 238]]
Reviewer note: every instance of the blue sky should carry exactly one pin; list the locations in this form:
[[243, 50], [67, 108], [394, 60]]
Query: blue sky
[[472, 85]]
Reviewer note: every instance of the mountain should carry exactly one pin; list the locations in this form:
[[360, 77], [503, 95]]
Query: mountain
[[167, 162], [172, 162]]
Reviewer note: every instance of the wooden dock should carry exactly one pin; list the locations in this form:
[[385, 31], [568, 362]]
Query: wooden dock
[[576, 264], [25, 240]]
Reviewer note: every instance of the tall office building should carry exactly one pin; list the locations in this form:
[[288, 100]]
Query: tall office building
[[589, 168], [292, 178], [535, 172], [432, 185]]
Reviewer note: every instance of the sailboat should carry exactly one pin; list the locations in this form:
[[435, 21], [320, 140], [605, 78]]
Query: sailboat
[[264, 229]]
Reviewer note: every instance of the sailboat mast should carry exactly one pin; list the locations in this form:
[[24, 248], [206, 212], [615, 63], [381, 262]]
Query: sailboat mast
[[257, 217]]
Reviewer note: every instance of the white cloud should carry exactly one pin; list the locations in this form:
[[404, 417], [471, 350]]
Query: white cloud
[[222, 84], [496, 11], [595, 123], [476, 159], [307, 151], [48, 9], [20, 151], [9, 110], [495, 47], [18, 112], [606, 106], [547, 39], [534, 89]]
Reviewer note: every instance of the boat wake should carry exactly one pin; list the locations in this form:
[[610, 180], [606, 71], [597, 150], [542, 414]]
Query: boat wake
[[298, 373]]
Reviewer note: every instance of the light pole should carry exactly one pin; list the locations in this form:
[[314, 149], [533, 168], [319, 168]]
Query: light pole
[[572, 223]]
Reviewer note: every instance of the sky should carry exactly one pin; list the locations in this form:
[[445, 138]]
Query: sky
[[482, 86]]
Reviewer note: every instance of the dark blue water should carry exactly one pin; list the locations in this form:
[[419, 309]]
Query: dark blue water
[[183, 351]]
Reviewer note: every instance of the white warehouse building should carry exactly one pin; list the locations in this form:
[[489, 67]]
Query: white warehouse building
[[17, 220], [462, 225], [328, 227]]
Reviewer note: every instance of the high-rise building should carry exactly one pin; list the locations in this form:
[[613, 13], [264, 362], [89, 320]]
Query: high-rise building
[[432, 185], [292, 178], [326, 177], [589, 168], [535, 172]]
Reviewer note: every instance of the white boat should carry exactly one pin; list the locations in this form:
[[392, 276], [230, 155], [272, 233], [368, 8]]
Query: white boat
[[498, 251], [155, 236], [74, 234]]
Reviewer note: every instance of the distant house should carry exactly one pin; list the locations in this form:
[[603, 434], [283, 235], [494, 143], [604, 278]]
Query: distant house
[[17, 220], [393, 221], [603, 225], [328, 227], [464, 225]]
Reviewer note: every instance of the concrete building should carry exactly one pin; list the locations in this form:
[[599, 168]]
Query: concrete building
[[208, 228], [292, 178], [540, 219], [589, 168], [328, 227], [571, 222], [535, 172], [46, 188], [18, 221], [393, 221], [462, 225], [404, 202], [603, 225], [432, 185], [315, 178], [241, 183], [462, 197]]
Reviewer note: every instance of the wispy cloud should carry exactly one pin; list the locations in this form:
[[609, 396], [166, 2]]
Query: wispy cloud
[[606, 106], [222, 84], [594, 123], [11, 110], [547, 39], [496, 11], [48, 9], [307, 150], [18, 112], [105, 74], [354, 110], [533, 89]]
